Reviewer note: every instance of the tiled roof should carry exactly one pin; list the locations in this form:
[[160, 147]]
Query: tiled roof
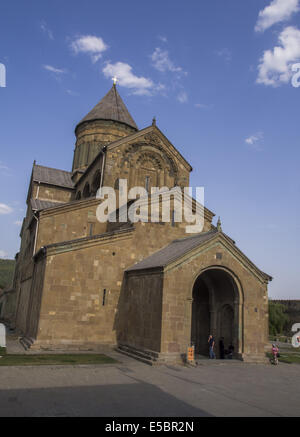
[[173, 251], [111, 107], [38, 205], [52, 176], [182, 246]]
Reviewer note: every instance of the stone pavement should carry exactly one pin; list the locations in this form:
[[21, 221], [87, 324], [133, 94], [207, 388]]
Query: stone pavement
[[13, 346], [131, 388]]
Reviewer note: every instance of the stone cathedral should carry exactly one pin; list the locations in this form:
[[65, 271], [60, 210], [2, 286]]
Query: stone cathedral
[[148, 289]]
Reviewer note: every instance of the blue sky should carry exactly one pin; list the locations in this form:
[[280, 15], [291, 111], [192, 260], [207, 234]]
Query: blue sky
[[216, 74]]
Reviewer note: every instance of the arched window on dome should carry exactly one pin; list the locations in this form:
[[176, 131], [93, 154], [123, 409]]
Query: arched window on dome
[[86, 190], [96, 183]]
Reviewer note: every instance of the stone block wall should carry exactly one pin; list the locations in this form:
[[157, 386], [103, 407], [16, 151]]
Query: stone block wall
[[81, 292], [140, 308], [50, 192], [177, 301], [69, 222]]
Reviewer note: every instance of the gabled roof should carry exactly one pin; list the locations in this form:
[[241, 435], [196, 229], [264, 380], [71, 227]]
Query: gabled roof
[[38, 205], [178, 248], [136, 136], [173, 251], [52, 176], [111, 107], [155, 130]]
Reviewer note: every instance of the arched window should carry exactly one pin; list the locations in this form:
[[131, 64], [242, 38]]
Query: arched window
[[78, 195], [147, 183], [117, 184], [96, 183], [86, 190]]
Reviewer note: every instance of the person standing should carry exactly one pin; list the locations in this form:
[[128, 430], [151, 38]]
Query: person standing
[[211, 344], [230, 351], [275, 351]]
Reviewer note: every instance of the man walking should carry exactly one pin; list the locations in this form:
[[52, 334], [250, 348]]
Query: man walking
[[211, 344]]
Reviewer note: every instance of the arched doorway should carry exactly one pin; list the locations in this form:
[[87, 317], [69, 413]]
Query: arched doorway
[[226, 324], [216, 310]]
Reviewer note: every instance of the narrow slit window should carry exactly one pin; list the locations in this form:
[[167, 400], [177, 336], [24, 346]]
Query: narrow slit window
[[104, 295], [147, 183], [91, 229], [173, 217]]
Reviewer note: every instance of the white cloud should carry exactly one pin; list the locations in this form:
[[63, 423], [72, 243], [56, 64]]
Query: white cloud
[[225, 53], [46, 30], [3, 167], [277, 11], [160, 87], [18, 222], [3, 254], [203, 105], [162, 62], [182, 97], [92, 45], [163, 38], [4, 170], [72, 93], [255, 140], [275, 66], [140, 85], [54, 70], [5, 209]]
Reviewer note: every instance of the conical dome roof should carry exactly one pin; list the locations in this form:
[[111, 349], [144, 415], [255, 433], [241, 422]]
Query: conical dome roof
[[111, 107]]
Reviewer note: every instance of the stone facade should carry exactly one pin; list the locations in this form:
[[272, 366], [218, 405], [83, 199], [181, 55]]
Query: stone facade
[[245, 293], [75, 284]]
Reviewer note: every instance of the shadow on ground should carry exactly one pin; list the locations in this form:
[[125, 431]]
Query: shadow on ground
[[136, 399]]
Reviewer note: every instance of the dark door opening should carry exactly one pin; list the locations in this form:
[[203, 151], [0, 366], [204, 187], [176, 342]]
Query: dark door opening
[[214, 311]]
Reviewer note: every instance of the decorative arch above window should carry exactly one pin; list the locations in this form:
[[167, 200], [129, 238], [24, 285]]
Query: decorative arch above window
[[138, 153], [147, 158]]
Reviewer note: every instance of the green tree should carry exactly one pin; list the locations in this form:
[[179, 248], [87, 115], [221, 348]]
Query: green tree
[[7, 267], [277, 318]]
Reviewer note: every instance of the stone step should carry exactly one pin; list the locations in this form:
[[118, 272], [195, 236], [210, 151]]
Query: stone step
[[154, 355], [26, 342], [137, 354], [134, 356], [134, 351]]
